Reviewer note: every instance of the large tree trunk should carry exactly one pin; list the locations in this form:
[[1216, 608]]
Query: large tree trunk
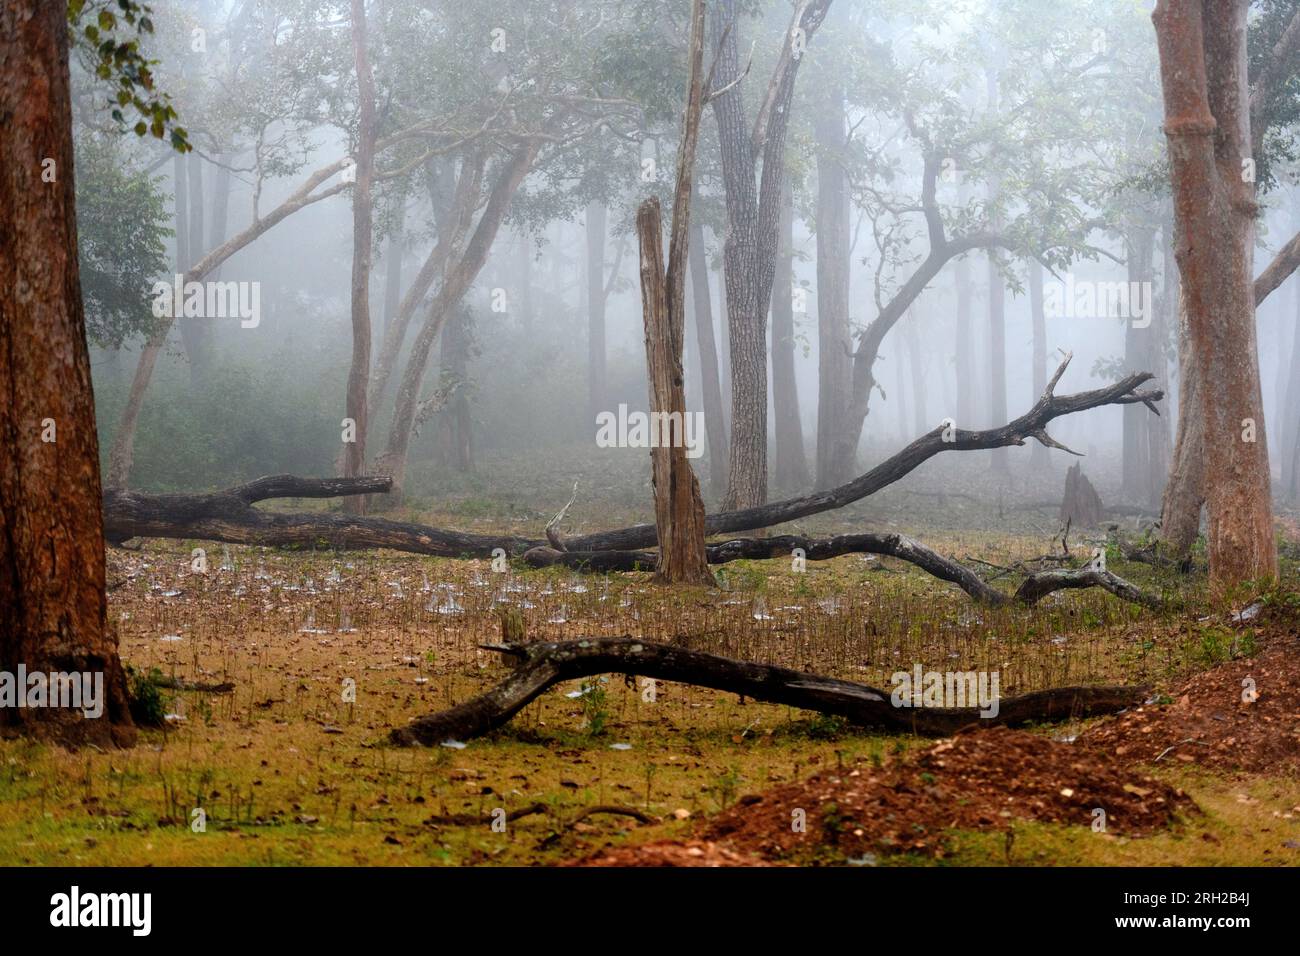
[[834, 339], [354, 451], [791, 461], [753, 203], [715, 422], [679, 509], [1202, 45], [52, 597], [597, 398]]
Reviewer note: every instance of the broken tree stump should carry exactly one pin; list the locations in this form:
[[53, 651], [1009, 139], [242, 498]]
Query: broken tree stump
[[1080, 505]]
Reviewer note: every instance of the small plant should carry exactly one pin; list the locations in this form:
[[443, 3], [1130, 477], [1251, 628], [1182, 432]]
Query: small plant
[[148, 707], [594, 710]]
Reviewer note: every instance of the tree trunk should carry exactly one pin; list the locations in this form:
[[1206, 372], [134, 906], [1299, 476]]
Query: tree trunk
[[52, 597], [354, 451], [834, 339], [791, 462], [679, 509], [1202, 46], [715, 423], [1138, 354], [456, 283], [1184, 497], [393, 255], [753, 202], [597, 397], [455, 419], [1040, 457]]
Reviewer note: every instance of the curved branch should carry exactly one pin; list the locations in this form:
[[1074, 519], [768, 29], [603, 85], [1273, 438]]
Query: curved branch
[[542, 665]]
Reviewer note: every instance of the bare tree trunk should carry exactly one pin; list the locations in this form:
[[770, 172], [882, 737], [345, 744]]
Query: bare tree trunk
[[997, 309], [715, 423], [1040, 457], [455, 284], [354, 451], [393, 255], [834, 340], [963, 345], [1202, 45], [455, 418], [679, 509], [753, 201], [1138, 354], [791, 462], [916, 366], [52, 574], [1164, 317], [597, 399], [1184, 497]]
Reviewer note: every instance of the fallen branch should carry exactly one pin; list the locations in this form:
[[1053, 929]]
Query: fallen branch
[[229, 516], [545, 664], [1033, 424], [1034, 588]]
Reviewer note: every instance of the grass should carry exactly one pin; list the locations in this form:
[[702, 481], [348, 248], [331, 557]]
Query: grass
[[288, 771]]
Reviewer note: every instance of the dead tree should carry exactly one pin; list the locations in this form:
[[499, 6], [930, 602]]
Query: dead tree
[[679, 509], [541, 665], [1080, 505]]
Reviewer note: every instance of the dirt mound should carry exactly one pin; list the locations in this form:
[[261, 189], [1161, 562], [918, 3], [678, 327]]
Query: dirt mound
[[672, 853], [979, 779], [1211, 723]]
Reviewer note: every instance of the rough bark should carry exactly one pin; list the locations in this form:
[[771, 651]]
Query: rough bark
[[354, 452], [52, 598], [539, 666], [791, 466], [753, 202], [1202, 47], [679, 509]]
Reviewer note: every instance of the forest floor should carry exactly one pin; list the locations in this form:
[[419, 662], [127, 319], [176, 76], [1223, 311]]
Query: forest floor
[[285, 770]]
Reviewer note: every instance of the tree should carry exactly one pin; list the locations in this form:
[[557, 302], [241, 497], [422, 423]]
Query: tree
[[1203, 66], [354, 451], [51, 530], [753, 216]]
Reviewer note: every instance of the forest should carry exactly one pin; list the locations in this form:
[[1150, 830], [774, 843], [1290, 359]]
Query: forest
[[649, 433]]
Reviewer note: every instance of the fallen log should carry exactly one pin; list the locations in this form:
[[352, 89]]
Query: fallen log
[[229, 516], [541, 665], [1034, 588], [1033, 424]]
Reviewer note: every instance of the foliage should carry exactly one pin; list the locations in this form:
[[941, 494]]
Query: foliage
[[108, 34], [121, 227]]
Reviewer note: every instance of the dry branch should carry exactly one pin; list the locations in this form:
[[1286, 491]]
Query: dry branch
[[542, 665], [1034, 588], [1033, 424]]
